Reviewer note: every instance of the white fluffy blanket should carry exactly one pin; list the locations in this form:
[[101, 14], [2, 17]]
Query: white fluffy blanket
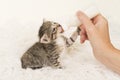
[[18, 34]]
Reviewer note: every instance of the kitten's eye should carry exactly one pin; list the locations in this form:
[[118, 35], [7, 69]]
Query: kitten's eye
[[59, 25], [54, 30], [54, 23]]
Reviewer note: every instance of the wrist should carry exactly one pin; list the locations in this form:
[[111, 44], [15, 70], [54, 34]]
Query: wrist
[[103, 49]]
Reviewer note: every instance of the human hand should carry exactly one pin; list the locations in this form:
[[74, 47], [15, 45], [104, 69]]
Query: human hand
[[96, 31]]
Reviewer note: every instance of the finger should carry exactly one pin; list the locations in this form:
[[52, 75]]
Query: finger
[[96, 18], [89, 26], [83, 30], [85, 20], [99, 19], [83, 35], [83, 38]]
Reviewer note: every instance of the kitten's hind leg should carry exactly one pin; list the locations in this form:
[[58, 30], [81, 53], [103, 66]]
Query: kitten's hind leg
[[36, 63], [54, 61], [73, 37], [30, 61]]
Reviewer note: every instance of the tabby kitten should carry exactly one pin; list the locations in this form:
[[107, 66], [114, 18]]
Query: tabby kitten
[[51, 44]]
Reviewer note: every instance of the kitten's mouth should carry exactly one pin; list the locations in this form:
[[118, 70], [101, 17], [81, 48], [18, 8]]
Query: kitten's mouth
[[62, 31], [60, 28]]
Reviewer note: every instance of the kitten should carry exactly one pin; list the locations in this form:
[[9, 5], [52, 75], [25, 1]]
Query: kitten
[[51, 44]]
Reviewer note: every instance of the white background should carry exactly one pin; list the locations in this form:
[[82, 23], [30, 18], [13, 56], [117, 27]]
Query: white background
[[19, 24]]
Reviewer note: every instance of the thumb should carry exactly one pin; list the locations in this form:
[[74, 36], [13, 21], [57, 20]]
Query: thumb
[[89, 26]]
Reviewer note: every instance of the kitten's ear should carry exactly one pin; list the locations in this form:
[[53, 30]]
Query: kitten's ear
[[44, 20]]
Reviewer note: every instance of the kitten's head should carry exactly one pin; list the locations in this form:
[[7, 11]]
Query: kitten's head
[[49, 31]]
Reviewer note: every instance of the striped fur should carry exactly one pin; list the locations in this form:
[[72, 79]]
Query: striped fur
[[47, 54]]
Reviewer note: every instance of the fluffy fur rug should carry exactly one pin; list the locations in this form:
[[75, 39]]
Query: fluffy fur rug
[[19, 24]]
